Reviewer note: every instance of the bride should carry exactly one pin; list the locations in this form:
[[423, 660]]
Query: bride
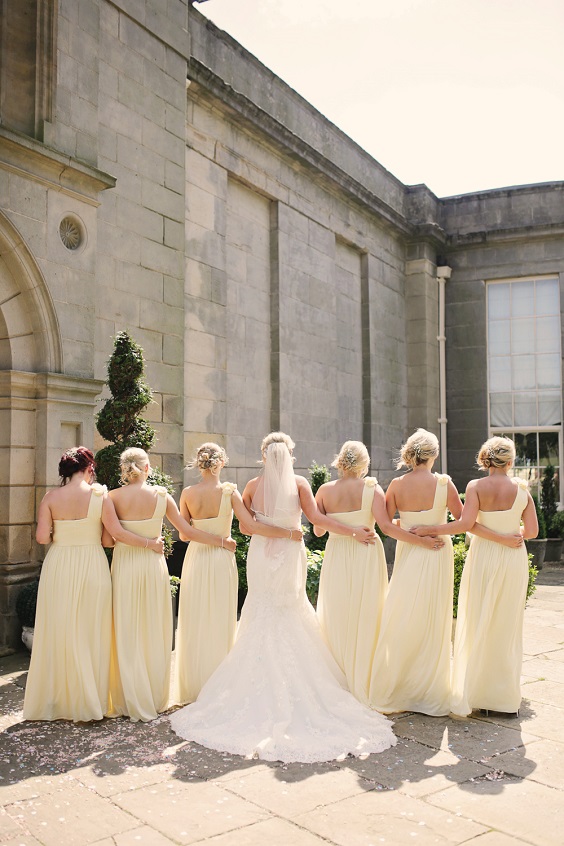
[[279, 695]]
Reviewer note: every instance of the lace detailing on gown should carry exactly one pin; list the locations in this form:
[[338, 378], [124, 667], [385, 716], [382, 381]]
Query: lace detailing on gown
[[279, 694]]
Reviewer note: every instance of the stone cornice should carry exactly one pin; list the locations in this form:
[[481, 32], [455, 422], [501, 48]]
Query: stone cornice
[[207, 84], [34, 160], [517, 233], [75, 390]]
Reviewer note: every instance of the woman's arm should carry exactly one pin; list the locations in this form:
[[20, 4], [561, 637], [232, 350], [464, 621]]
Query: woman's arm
[[250, 526], [463, 524], [382, 517], [188, 532], [512, 541], [360, 533], [107, 539], [116, 530], [529, 517], [44, 531]]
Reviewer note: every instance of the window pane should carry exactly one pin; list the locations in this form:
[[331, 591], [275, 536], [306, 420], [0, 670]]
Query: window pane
[[526, 449], [549, 369], [523, 335], [522, 299], [525, 409], [548, 334], [500, 373], [548, 296], [498, 301], [498, 337], [550, 408], [548, 448], [501, 410], [523, 372]]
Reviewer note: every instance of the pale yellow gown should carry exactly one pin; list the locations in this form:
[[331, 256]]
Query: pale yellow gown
[[142, 629], [411, 669], [352, 590], [207, 612], [69, 670], [488, 646]]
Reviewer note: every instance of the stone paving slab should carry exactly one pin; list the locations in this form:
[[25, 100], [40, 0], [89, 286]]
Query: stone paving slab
[[484, 781]]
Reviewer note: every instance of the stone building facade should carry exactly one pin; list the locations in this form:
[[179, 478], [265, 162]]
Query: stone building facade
[[155, 176]]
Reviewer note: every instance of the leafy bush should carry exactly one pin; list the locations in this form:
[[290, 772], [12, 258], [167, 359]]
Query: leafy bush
[[557, 525], [549, 499], [314, 562], [241, 552], [318, 475], [540, 517]]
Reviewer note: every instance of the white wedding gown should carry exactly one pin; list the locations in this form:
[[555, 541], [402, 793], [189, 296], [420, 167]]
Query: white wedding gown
[[279, 695]]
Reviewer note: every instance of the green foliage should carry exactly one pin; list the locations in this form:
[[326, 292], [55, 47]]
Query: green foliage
[[549, 498], [460, 553], [174, 585], [540, 518], [314, 562], [119, 422], [241, 552], [318, 475], [26, 602], [557, 525]]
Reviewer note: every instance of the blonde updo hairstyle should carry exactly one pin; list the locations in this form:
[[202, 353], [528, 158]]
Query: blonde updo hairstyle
[[352, 458], [210, 456], [418, 449], [133, 463], [496, 452], [277, 438]]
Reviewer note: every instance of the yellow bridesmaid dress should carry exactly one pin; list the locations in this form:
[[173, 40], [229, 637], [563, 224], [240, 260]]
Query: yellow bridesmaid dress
[[352, 590], [142, 629], [488, 645], [411, 669], [207, 612], [69, 670]]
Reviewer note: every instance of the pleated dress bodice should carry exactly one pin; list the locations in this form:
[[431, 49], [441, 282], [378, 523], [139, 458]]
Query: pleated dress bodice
[[508, 521], [86, 531], [362, 516], [219, 525], [433, 516]]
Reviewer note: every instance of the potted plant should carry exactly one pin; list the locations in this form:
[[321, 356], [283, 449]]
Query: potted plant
[[549, 505], [537, 546], [26, 603]]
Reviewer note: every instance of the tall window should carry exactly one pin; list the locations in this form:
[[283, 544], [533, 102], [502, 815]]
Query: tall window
[[525, 371]]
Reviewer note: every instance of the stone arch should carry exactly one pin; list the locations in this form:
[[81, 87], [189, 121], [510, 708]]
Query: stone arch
[[30, 338]]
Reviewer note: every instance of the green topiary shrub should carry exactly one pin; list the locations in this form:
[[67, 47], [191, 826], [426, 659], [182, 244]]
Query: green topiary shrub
[[119, 422], [314, 562], [557, 525], [241, 552]]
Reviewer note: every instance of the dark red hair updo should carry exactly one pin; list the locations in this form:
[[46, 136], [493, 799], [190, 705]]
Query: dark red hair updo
[[74, 461]]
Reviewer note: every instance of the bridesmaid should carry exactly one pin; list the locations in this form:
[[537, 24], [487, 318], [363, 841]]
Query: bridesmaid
[[354, 577], [207, 612], [69, 670], [142, 607], [488, 647], [411, 669]]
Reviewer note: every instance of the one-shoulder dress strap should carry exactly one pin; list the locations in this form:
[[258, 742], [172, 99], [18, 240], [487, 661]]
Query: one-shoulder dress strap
[[368, 492], [227, 490], [160, 505], [521, 498], [96, 500], [441, 491]]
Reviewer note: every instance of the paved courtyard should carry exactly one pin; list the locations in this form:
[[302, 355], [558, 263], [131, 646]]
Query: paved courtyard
[[484, 781]]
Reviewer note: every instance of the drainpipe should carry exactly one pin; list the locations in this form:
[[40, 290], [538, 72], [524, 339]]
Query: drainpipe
[[443, 273]]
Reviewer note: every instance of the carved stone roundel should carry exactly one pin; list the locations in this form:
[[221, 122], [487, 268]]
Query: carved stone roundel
[[70, 233]]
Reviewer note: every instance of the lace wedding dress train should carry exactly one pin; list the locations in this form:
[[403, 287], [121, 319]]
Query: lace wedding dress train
[[279, 695]]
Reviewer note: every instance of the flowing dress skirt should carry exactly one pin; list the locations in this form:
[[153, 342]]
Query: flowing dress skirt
[[69, 670], [488, 646]]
